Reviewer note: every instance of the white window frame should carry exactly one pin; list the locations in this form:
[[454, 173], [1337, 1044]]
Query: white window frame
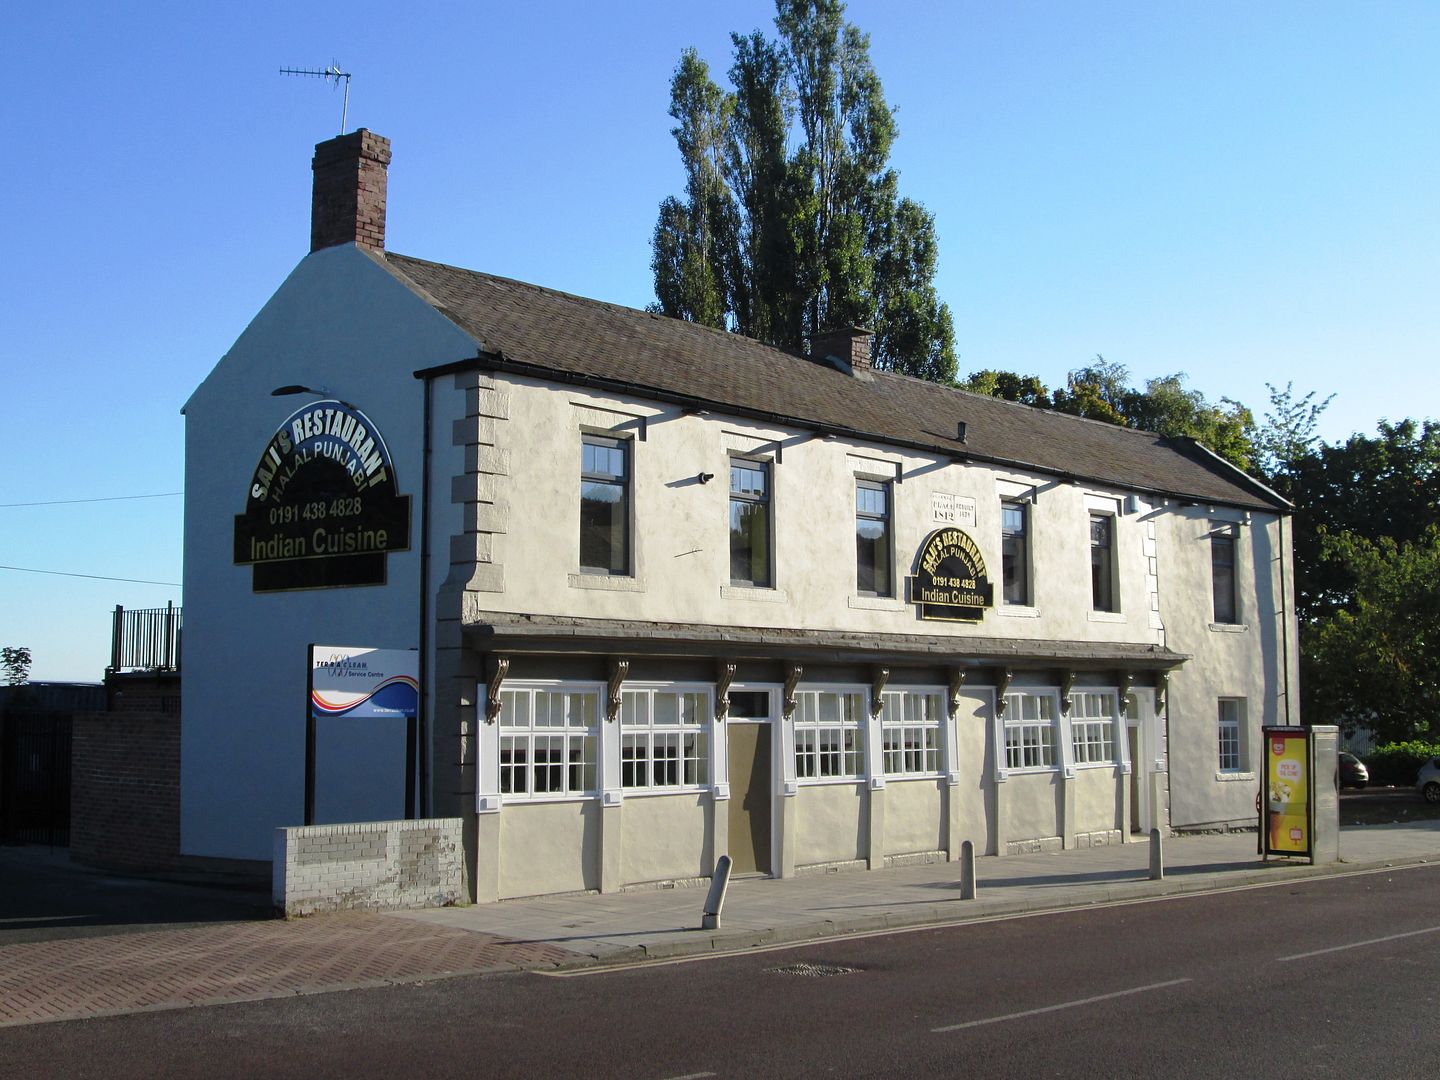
[[917, 713], [1235, 726], [809, 730], [509, 731], [1094, 721], [637, 730], [1014, 721]]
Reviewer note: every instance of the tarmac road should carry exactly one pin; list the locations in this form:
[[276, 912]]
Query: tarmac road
[[44, 896], [1323, 976]]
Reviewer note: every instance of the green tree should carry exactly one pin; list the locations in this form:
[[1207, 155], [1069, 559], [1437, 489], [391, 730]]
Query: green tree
[[1376, 662], [1101, 391], [1368, 487], [15, 663], [781, 244], [1024, 389]]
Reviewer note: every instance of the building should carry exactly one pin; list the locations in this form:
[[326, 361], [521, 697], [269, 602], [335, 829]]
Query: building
[[676, 594]]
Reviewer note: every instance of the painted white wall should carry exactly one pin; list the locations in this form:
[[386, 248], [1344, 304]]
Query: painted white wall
[[342, 322]]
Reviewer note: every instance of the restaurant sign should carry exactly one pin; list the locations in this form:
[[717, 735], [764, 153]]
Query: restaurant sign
[[949, 582], [323, 509]]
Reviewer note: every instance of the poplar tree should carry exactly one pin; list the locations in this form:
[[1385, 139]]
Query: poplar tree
[[781, 244]]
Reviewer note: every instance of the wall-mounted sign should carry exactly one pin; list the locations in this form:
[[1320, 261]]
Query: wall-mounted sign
[[323, 509], [1287, 791], [949, 582], [949, 509]]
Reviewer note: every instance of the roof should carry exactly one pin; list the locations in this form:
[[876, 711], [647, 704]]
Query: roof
[[528, 327]]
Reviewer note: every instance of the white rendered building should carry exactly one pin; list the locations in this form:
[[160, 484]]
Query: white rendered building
[[677, 594]]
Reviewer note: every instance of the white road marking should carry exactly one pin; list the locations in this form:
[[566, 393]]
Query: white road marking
[[45, 918], [690, 1076], [1358, 944], [974, 920], [1062, 1005]]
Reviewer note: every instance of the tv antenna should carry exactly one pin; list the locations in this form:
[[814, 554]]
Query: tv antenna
[[332, 72]]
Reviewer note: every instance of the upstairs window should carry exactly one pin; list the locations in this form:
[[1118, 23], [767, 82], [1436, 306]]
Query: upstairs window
[[604, 506], [1222, 577], [1015, 553], [1102, 563], [872, 538], [750, 523]]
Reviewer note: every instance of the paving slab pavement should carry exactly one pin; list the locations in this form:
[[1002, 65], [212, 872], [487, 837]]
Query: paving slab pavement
[[177, 967], [653, 924]]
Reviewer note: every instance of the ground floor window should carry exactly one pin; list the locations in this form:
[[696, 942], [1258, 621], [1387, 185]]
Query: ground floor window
[[1029, 731], [547, 741], [1092, 727], [662, 741], [829, 734], [1231, 725], [910, 725]]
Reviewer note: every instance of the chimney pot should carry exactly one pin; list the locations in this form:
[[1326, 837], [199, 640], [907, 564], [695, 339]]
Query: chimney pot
[[847, 349], [348, 201]]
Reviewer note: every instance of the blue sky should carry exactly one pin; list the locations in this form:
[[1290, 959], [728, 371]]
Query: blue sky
[[1243, 192]]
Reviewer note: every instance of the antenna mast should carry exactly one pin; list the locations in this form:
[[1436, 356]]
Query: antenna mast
[[332, 72]]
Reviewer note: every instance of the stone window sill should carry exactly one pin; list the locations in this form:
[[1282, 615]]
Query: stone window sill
[[1228, 628], [606, 582], [1107, 616], [755, 594], [1227, 777], [876, 603], [1017, 611]]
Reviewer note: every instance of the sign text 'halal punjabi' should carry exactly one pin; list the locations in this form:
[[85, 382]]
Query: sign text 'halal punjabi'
[[323, 508]]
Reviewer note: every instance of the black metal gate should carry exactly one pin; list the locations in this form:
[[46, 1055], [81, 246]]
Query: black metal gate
[[35, 778]]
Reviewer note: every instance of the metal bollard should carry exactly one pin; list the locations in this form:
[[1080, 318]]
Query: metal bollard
[[967, 871], [1157, 857], [715, 899]]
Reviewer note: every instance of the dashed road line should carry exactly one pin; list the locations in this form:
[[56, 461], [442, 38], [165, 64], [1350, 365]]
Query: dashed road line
[[1358, 944], [1063, 1005]]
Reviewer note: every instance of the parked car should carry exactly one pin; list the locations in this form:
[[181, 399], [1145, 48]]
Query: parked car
[[1352, 771], [1429, 780]]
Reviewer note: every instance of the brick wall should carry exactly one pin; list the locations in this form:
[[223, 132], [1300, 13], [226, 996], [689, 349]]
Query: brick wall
[[368, 866], [125, 790]]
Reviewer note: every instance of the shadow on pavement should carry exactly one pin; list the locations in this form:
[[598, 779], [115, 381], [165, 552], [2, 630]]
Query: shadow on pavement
[[44, 896]]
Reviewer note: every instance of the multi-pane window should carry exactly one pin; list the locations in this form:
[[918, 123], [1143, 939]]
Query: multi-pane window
[[750, 523], [548, 740], [1015, 553], [604, 506], [1222, 576], [1092, 727], [910, 725], [829, 735], [662, 738], [1102, 563], [1232, 756], [872, 538], [1029, 731]]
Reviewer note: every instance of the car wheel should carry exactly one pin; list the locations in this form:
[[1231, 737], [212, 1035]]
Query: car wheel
[[1432, 792]]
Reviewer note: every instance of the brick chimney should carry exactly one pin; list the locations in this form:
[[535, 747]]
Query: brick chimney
[[348, 203], [847, 349]]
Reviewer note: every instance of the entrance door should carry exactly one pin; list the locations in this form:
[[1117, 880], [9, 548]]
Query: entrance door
[[1137, 771], [750, 787]]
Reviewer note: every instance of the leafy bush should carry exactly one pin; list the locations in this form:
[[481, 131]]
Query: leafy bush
[[1397, 763]]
